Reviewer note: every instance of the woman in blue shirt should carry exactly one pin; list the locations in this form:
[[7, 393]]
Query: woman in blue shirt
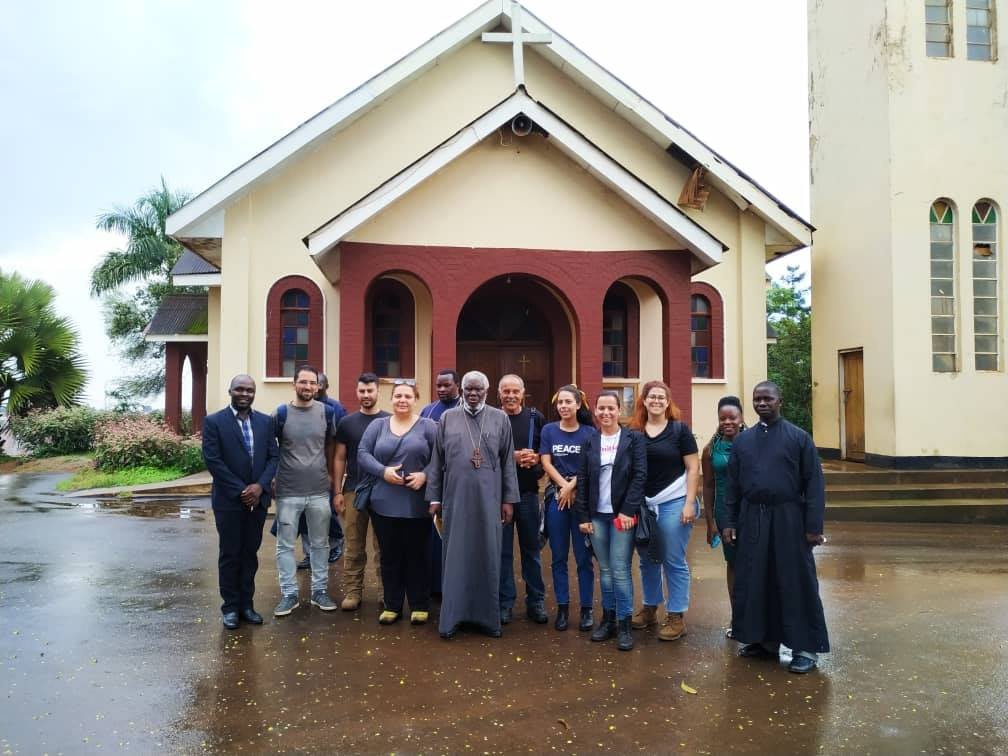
[[560, 454]]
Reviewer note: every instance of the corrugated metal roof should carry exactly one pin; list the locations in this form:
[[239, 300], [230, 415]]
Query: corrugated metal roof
[[180, 315], [192, 264]]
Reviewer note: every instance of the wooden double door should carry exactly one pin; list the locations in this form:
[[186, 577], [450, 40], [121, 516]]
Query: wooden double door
[[852, 372], [531, 361]]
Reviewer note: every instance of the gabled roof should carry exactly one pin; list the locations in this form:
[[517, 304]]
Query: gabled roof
[[179, 317], [705, 248], [201, 219]]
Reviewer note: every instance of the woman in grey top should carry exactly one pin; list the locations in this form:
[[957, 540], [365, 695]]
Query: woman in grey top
[[394, 451]]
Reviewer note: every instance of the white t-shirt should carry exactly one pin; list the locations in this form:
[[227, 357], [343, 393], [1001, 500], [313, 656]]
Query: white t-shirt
[[609, 444]]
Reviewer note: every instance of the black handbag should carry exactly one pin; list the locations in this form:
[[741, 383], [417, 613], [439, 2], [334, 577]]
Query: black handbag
[[647, 536]]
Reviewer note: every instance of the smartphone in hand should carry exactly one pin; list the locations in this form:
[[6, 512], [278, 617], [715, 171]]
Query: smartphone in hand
[[715, 541]]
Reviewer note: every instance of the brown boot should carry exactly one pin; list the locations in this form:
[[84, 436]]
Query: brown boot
[[674, 627], [645, 617], [351, 603]]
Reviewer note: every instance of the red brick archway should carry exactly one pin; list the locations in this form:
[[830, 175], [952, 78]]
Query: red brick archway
[[452, 274]]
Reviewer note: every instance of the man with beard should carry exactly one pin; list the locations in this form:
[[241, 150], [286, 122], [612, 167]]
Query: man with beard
[[776, 500], [471, 479], [306, 431], [526, 428], [240, 451], [348, 435]]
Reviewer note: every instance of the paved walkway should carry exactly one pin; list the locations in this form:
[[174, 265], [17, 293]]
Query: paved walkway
[[110, 640]]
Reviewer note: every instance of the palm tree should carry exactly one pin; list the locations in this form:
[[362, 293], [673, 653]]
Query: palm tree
[[147, 259], [149, 252], [40, 361]]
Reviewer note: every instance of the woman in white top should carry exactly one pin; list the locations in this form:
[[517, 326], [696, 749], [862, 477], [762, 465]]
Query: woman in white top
[[612, 473]]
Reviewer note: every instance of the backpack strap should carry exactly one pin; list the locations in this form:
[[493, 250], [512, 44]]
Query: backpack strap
[[281, 419]]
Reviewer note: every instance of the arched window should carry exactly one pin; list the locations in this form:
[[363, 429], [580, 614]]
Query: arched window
[[620, 332], [700, 340], [391, 323], [294, 335], [943, 280], [985, 286], [706, 331]]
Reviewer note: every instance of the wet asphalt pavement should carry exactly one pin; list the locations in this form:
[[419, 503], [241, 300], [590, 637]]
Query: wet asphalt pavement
[[111, 640]]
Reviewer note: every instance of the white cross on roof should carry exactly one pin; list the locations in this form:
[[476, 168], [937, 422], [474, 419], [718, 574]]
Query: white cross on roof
[[517, 38]]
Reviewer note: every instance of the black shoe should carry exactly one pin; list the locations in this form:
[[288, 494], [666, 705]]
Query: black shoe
[[537, 613], [335, 553], [561, 618], [251, 616], [624, 637], [754, 651], [450, 634], [587, 619], [492, 632], [606, 628], [230, 620], [305, 563], [506, 613], [801, 664]]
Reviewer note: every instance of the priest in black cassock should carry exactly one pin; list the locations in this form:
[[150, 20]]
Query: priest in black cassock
[[776, 500], [472, 481]]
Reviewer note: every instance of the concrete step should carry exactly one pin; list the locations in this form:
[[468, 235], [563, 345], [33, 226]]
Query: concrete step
[[969, 511], [918, 491], [879, 477]]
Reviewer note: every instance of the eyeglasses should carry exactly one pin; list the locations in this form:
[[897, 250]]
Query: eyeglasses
[[404, 382], [656, 398]]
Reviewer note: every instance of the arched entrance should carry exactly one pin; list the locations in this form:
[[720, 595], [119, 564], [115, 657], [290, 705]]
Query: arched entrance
[[514, 324]]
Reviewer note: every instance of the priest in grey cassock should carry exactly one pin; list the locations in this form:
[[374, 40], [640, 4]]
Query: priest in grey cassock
[[776, 501], [472, 481]]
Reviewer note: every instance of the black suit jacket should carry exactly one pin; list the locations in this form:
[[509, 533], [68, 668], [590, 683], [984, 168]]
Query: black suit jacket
[[228, 461], [628, 476]]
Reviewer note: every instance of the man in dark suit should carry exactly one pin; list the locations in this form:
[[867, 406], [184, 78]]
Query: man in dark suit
[[240, 450]]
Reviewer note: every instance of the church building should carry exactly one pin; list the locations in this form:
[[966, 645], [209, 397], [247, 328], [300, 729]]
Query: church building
[[495, 200], [909, 167]]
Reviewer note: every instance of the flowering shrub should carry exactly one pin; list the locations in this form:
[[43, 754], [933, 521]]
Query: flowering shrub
[[64, 430], [137, 441]]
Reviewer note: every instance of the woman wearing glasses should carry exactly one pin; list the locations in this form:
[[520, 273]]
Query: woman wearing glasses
[[612, 473], [673, 476], [394, 451]]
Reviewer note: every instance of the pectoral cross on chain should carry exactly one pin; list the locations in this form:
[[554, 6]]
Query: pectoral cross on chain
[[477, 458], [517, 38]]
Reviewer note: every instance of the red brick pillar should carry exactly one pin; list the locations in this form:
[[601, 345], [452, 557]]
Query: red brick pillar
[[198, 368], [353, 286], [678, 368], [174, 359], [588, 337]]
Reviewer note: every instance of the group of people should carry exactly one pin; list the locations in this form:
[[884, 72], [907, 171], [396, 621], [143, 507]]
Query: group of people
[[446, 486]]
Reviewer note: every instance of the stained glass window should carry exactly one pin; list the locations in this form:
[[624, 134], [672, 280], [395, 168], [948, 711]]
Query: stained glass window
[[700, 335], [614, 336], [294, 311], [943, 280], [938, 28], [979, 30], [986, 330], [386, 324]]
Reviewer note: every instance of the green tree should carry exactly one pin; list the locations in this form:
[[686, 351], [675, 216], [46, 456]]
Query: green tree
[[789, 361], [40, 361], [133, 280]]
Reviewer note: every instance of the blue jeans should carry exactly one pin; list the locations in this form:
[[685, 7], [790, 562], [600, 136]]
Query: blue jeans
[[675, 537], [526, 519], [317, 512], [562, 526], [614, 550]]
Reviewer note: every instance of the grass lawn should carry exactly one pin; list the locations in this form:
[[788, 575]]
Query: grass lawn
[[133, 476]]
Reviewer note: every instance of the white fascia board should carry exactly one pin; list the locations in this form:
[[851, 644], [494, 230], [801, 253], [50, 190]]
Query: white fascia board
[[652, 121], [360, 212], [338, 115], [668, 217], [197, 279], [164, 338]]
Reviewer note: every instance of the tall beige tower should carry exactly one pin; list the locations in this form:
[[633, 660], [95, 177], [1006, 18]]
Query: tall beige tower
[[908, 106]]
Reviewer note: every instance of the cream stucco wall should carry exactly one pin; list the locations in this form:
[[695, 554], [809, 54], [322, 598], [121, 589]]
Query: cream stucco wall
[[893, 130], [526, 194]]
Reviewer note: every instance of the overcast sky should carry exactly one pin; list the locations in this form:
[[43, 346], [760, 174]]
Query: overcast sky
[[102, 98]]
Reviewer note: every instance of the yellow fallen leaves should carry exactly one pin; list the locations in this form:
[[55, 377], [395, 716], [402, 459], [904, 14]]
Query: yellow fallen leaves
[[688, 689]]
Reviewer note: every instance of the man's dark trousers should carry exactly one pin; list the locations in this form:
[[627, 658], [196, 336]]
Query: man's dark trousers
[[526, 520], [240, 534]]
